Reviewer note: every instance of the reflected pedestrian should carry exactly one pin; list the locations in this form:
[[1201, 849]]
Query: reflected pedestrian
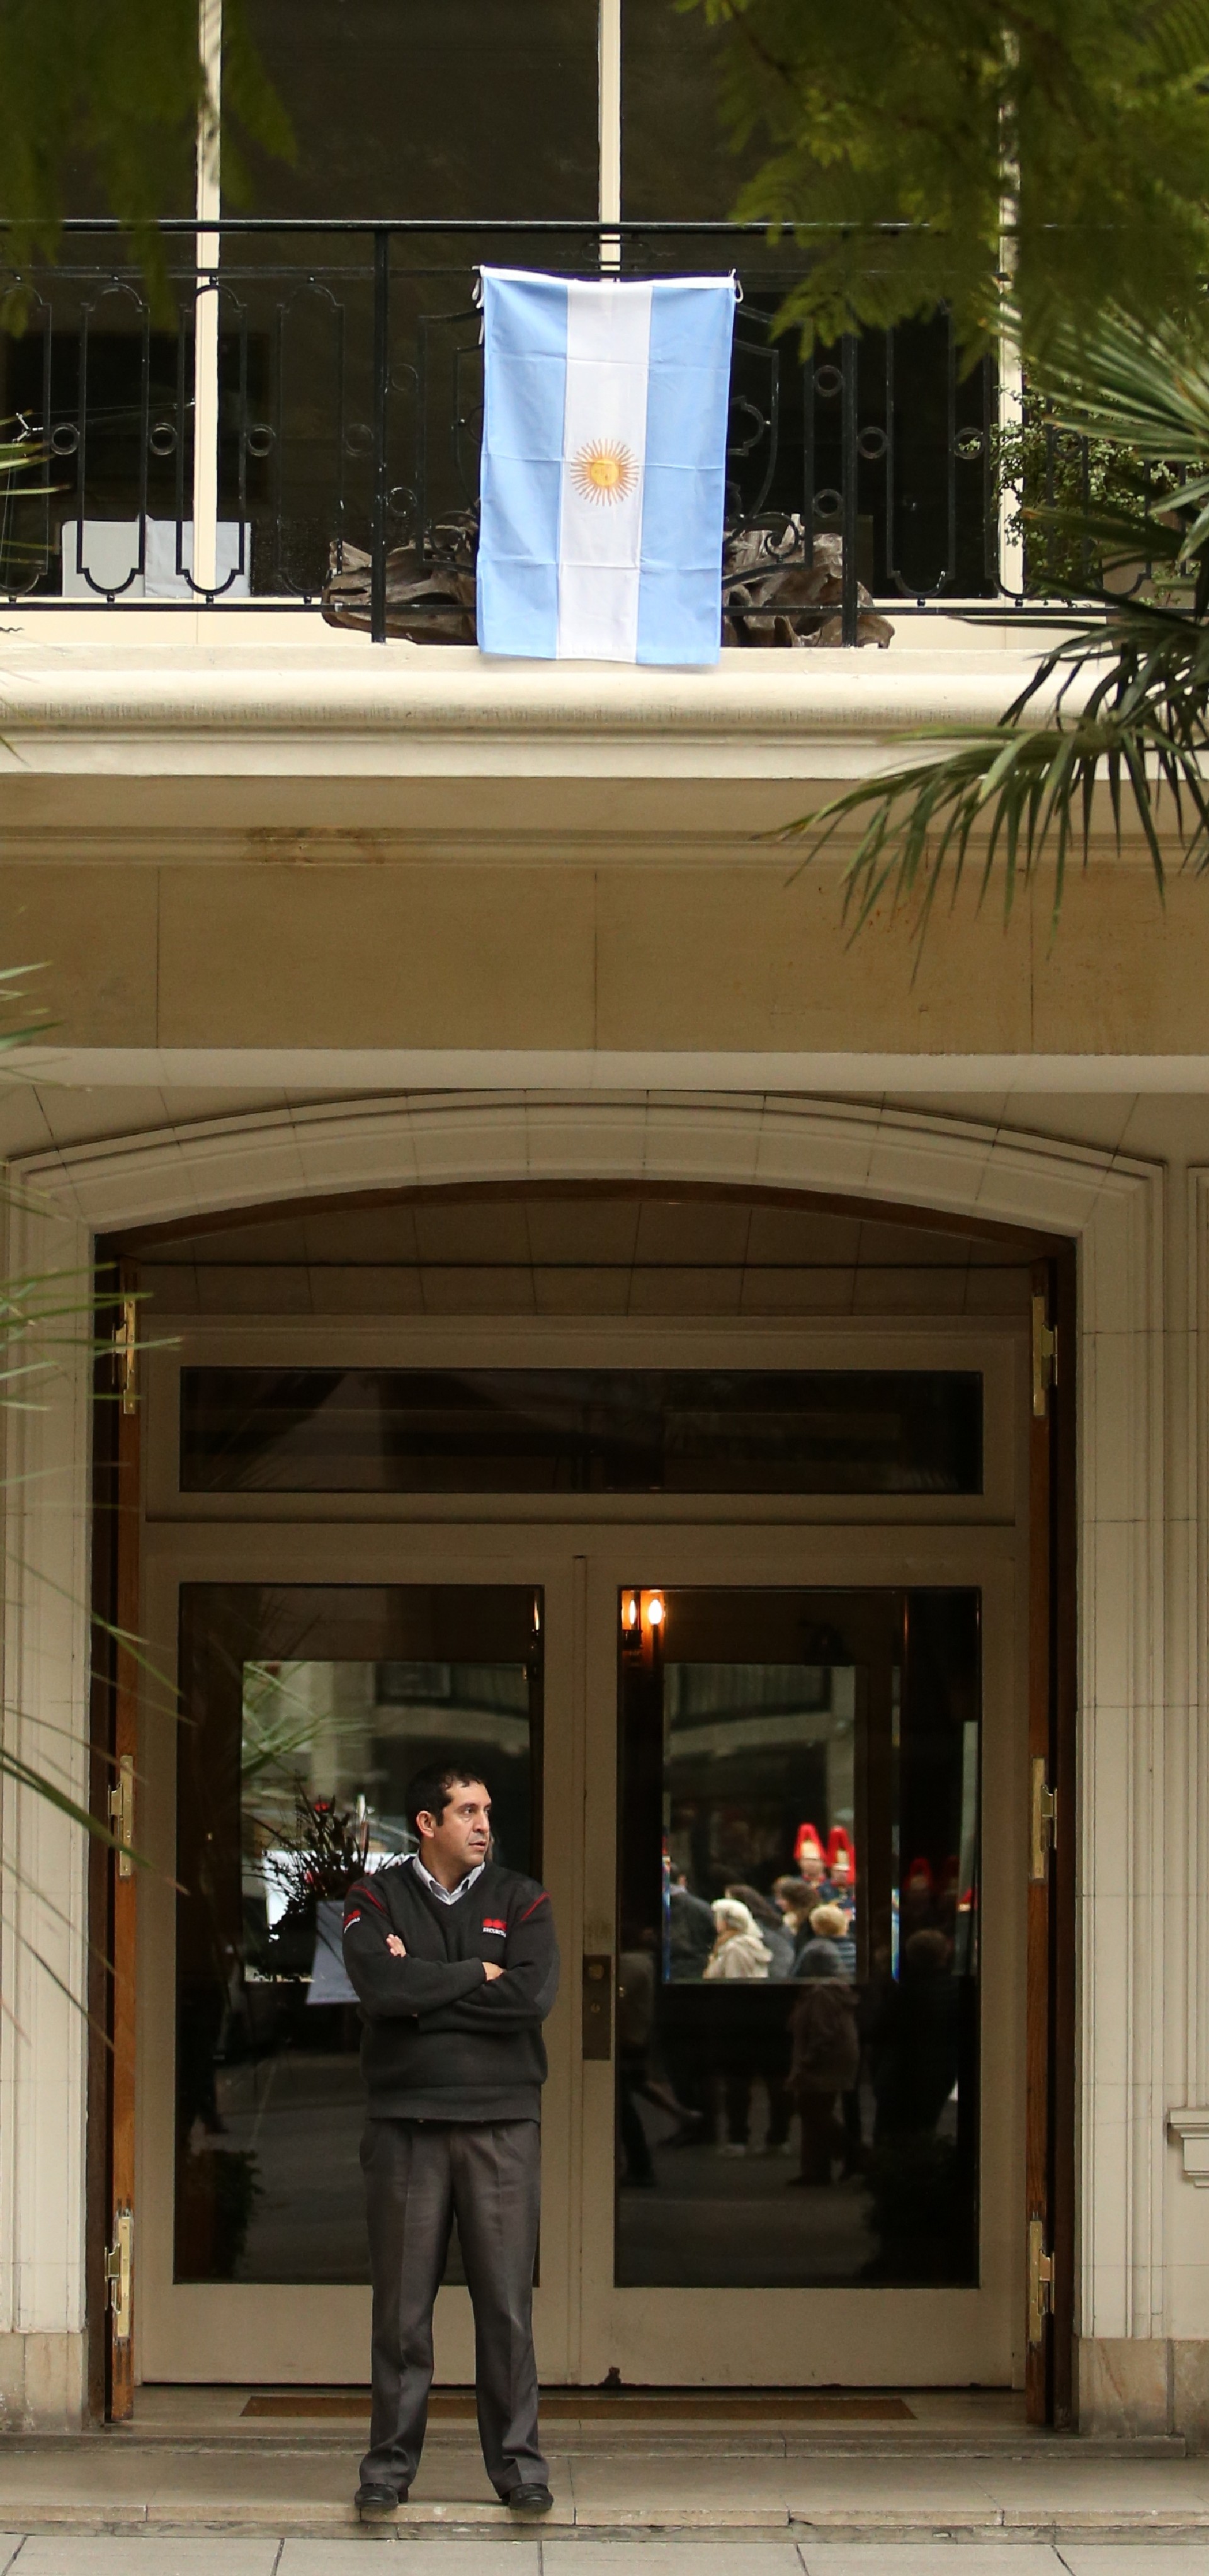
[[691, 1931], [825, 2063], [770, 1924], [738, 1951], [830, 1950]]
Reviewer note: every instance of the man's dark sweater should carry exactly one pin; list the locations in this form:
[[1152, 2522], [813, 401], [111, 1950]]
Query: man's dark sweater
[[441, 2041]]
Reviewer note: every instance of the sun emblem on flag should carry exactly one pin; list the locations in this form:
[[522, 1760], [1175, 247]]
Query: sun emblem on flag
[[604, 471]]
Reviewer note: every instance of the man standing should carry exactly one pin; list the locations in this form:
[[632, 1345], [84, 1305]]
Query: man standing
[[456, 1967]]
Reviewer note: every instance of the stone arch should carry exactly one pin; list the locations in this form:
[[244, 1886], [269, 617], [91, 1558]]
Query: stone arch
[[1113, 1210]]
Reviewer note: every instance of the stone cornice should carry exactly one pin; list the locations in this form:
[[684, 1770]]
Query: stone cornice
[[266, 707]]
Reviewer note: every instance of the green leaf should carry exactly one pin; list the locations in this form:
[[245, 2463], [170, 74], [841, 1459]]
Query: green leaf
[[964, 152]]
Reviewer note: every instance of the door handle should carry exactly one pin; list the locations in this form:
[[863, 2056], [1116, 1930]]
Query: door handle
[[597, 2005]]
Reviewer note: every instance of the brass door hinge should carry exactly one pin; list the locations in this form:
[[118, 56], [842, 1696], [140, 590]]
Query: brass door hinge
[[125, 1352], [1040, 2280], [1043, 1838], [1045, 1358], [119, 2274], [121, 1813]]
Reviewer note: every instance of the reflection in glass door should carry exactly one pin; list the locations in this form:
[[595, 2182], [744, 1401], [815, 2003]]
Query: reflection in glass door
[[306, 1710], [798, 1969]]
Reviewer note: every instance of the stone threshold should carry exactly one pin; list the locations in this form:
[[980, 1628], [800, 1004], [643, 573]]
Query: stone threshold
[[650, 2439], [1003, 2525]]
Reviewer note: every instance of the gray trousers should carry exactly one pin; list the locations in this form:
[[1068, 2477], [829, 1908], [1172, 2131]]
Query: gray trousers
[[419, 2176]]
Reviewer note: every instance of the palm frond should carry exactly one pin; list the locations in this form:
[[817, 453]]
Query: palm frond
[[1120, 703], [1146, 387]]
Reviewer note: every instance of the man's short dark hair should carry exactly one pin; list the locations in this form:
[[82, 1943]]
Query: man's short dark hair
[[432, 1788]]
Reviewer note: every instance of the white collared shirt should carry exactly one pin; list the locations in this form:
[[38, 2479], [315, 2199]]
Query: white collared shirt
[[445, 1895]]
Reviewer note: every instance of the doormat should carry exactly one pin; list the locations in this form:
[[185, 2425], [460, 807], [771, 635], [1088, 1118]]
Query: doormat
[[595, 2406]]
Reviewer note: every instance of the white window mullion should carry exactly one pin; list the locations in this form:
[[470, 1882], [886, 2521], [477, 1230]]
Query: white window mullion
[[610, 124], [206, 312], [1011, 422]]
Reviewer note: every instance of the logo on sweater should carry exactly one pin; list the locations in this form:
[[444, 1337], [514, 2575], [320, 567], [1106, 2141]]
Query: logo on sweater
[[492, 1925]]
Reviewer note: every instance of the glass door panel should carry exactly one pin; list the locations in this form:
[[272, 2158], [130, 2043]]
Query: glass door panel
[[798, 1942], [306, 1709]]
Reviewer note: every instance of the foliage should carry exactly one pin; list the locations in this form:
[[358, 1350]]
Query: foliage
[[1059, 145], [328, 1852], [1122, 698], [1056, 485], [115, 89]]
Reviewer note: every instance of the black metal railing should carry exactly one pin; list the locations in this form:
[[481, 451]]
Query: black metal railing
[[338, 370]]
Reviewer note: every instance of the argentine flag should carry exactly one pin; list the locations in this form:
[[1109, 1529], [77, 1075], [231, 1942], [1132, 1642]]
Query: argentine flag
[[604, 467]]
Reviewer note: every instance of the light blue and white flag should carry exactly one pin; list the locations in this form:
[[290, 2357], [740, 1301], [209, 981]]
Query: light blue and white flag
[[604, 467]]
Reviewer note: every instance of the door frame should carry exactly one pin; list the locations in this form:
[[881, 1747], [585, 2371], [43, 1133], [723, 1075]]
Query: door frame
[[113, 1873], [1059, 2397], [186, 2329]]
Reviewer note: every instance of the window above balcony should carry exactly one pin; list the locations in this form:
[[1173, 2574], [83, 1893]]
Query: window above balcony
[[307, 393], [482, 108]]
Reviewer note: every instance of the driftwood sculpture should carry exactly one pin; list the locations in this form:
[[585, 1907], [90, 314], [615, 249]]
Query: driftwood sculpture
[[771, 595], [430, 603]]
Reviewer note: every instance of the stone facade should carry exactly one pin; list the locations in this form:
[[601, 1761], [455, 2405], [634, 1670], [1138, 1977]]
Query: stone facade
[[323, 917]]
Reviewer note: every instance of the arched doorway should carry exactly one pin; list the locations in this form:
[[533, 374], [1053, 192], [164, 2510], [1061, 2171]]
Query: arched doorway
[[408, 1456]]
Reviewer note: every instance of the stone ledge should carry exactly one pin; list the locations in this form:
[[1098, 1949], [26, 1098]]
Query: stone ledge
[[591, 2441], [423, 713], [908, 2525]]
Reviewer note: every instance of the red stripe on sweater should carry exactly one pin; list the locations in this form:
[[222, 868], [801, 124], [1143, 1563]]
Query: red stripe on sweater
[[543, 1899]]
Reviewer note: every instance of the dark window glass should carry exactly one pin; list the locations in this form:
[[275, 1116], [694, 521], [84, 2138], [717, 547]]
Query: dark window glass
[[677, 161], [306, 1710], [442, 107], [473, 110], [555, 1431], [797, 2018]]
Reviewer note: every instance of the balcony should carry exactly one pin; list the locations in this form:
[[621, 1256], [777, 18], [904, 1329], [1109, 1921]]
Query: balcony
[[306, 396]]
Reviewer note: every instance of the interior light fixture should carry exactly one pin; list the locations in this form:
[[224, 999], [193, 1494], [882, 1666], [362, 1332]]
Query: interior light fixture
[[654, 1610], [629, 1613]]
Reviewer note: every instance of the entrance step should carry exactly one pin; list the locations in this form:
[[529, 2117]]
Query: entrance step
[[1048, 2489]]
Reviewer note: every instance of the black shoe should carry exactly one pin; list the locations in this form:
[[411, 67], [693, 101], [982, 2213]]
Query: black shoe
[[528, 2500], [376, 2504]]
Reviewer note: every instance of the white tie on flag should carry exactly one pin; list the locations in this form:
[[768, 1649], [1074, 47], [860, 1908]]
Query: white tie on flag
[[604, 467]]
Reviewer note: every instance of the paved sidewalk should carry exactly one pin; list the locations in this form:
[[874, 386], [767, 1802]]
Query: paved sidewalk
[[74, 2555]]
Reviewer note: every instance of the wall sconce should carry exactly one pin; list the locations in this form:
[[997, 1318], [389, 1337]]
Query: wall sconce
[[631, 1622], [643, 1615]]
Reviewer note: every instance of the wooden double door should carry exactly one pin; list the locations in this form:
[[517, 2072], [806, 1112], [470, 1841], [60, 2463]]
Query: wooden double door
[[764, 2164], [663, 1717]]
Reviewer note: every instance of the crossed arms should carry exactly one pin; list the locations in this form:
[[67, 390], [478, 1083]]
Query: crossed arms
[[451, 1994]]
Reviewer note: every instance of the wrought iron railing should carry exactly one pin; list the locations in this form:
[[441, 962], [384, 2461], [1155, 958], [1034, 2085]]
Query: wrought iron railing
[[296, 395]]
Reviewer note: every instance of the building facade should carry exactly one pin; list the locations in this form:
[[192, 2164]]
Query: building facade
[[593, 1307]]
